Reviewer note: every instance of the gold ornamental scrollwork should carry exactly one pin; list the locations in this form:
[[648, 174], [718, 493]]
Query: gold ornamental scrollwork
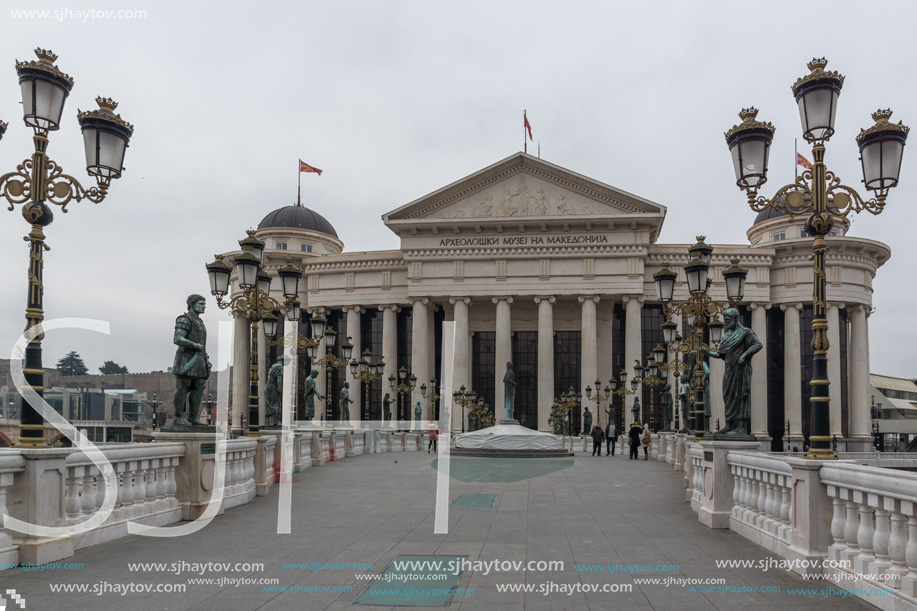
[[16, 186]]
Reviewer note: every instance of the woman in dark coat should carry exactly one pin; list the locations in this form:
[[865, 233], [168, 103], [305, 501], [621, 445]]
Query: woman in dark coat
[[634, 435], [598, 436]]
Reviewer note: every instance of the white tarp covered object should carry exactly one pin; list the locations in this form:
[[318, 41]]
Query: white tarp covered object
[[509, 437]]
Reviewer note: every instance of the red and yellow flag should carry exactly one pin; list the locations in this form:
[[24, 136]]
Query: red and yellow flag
[[305, 167], [803, 161], [528, 127]]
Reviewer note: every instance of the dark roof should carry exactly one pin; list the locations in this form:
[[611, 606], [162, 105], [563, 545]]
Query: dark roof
[[297, 217], [769, 213]]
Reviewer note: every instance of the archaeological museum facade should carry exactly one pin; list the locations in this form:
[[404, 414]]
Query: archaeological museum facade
[[528, 262]]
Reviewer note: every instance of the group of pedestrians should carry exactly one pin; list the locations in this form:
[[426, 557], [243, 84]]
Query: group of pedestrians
[[639, 436]]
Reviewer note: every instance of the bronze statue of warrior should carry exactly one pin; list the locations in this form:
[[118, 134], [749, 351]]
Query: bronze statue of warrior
[[192, 366]]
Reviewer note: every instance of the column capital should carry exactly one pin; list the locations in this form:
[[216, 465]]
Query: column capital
[[593, 298], [786, 306], [465, 300], [394, 307], [353, 308], [638, 298], [835, 304], [499, 299], [319, 310], [754, 305], [549, 298], [421, 300]]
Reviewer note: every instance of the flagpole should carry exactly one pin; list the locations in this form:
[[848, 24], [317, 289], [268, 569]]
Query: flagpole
[[299, 184], [796, 156], [525, 143]]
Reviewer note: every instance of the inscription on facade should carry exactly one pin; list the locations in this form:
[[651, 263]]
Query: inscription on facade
[[525, 240]]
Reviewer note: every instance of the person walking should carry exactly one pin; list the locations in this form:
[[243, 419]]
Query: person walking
[[645, 441], [611, 436], [434, 435], [597, 437], [634, 437]]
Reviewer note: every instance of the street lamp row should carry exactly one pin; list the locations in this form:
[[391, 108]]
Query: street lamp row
[[39, 180]]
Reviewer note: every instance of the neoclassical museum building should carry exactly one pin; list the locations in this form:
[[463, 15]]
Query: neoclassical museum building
[[549, 269]]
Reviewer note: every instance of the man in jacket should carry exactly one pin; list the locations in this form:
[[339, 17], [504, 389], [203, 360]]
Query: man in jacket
[[611, 437]]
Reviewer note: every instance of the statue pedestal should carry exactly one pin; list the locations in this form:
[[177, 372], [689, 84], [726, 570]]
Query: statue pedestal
[[510, 421], [410, 442], [193, 487], [717, 478]]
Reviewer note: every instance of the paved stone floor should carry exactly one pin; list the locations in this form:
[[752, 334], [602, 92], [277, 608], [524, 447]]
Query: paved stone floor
[[371, 509]]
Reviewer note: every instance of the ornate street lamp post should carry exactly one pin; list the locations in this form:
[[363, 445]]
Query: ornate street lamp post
[[701, 310], [367, 370], [819, 194], [619, 389], [651, 380], [673, 339], [598, 398], [463, 398], [402, 389], [39, 180], [328, 362], [255, 303], [434, 396], [154, 405], [568, 401]]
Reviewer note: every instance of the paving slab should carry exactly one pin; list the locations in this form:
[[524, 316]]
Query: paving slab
[[614, 524]]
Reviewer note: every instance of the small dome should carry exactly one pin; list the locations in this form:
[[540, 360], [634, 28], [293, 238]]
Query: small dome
[[297, 217], [770, 213]]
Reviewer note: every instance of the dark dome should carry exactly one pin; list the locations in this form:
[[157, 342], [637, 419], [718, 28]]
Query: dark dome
[[297, 217], [769, 213]]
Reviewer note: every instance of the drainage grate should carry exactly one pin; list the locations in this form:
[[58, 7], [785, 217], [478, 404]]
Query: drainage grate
[[415, 581]]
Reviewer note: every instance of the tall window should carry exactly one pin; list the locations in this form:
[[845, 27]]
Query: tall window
[[567, 369], [617, 364], [651, 335], [805, 363], [371, 337], [439, 316], [776, 414], [845, 406], [405, 323], [525, 366], [305, 247], [281, 245], [483, 367]]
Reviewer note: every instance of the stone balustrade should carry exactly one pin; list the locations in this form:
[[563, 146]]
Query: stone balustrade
[[873, 527], [145, 476], [852, 524], [762, 494]]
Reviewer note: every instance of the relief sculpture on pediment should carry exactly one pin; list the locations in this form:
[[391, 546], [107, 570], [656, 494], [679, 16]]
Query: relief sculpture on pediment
[[521, 198]]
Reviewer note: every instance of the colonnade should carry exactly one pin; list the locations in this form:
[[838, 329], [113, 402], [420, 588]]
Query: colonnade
[[593, 365]]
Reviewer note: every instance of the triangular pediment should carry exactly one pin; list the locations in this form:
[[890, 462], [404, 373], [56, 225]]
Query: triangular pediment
[[524, 187]]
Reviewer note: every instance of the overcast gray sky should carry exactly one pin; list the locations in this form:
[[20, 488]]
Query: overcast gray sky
[[396, 99]]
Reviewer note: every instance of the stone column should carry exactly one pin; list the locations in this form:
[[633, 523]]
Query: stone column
[[589, 358], [356, 387], [420, 352], [633, 348], [792, 374], [504, 352], [460, 373], [759, 373], [240, 365], [859, 416], [389, 348], [834, 368], [545, 360]]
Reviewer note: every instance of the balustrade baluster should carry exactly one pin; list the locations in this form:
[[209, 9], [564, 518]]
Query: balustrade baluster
[[865, 535], [851, 526], [74, 486], [897, 548], [880, 541], [838, 522]]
